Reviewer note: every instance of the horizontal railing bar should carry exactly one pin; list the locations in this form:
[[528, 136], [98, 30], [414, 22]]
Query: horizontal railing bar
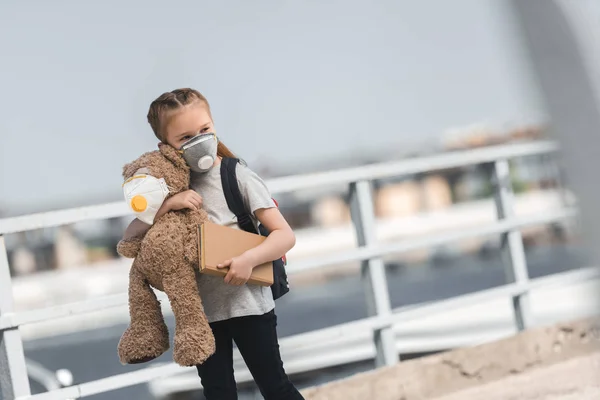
[[11, 320], [109, 384], [367, 252], [132, 378], [404, 314], [335, 333], [299, 182], [67, 216], [68, 393], [299, 344], [564, 278], [305, 340], [356, 254], [416, 165], [511, 290]]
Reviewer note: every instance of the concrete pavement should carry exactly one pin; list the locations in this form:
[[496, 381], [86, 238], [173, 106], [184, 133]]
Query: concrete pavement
[[560, 360], [574, 379]]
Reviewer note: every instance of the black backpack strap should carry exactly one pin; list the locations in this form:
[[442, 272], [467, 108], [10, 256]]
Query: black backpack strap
[[235, 202], [233, 196]]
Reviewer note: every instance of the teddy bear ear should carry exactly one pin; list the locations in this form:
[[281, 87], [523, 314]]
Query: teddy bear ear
[[173, 155], [145, 161], [130, 169]]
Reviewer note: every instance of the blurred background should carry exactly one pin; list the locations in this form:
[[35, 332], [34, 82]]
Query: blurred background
[[295, 88]]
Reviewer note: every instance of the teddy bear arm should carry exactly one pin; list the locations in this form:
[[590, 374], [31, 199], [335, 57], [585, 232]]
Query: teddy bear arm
[[191, 252], [129, 245], [129, 248], [191, 247]]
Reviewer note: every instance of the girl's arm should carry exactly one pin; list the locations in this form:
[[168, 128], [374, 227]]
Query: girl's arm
[[281, 237], [188, 199], [138, 228], [280, 240]]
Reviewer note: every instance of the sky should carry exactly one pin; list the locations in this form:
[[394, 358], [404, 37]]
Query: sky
[[291, 84]]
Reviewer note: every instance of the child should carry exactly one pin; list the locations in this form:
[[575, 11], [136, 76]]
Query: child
[[236, 311]]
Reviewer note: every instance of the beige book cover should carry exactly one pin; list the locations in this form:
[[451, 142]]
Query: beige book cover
[[218, 243]]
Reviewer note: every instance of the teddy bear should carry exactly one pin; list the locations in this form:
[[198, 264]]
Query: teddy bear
[[165, 257]]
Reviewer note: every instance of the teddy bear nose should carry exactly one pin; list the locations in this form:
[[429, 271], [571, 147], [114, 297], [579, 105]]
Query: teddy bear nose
[[139, 203]]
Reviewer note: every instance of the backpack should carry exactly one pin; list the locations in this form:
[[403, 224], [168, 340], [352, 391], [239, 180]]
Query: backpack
[[235, 202]]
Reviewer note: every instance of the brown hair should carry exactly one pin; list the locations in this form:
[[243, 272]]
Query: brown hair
[[173, 100]]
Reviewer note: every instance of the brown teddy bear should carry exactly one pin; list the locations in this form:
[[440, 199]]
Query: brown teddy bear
[[165, 257]]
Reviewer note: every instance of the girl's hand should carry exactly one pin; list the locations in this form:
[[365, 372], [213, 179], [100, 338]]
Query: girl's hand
[[188, 199], [240, 270], [136, 228]]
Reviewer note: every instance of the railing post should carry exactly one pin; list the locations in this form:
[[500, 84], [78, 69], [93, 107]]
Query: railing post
[[13, 371], [513, 251], [373, 271]]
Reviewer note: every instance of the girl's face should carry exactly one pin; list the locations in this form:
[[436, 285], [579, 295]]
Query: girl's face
[[187, 122]]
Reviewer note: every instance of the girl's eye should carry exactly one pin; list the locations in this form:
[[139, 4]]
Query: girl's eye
[[204, 130]]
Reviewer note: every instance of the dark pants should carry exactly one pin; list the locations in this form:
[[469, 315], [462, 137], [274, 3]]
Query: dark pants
[[256, 339]]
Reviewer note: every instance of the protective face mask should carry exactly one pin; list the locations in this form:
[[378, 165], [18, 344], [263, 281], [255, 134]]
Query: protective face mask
[[200, 152], [144, 195]]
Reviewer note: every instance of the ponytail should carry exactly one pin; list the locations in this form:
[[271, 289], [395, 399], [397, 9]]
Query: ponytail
[[223, 151]]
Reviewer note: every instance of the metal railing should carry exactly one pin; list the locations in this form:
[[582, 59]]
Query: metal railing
[[13, 369]]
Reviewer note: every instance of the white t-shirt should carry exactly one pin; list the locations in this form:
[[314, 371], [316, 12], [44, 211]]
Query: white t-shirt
[[222, 301]]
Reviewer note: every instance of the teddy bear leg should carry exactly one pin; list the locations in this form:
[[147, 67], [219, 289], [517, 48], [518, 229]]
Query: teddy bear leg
[[147, 336], [194, 341]]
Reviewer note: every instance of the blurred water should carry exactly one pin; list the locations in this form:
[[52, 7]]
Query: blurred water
[[92, 355]]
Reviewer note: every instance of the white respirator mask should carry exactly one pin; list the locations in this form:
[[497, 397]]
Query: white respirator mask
[[145, 195]]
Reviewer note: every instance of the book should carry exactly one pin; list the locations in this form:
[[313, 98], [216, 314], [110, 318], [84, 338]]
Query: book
[[218, 243]]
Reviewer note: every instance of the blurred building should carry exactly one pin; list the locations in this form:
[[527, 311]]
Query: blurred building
[[69, 250]]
